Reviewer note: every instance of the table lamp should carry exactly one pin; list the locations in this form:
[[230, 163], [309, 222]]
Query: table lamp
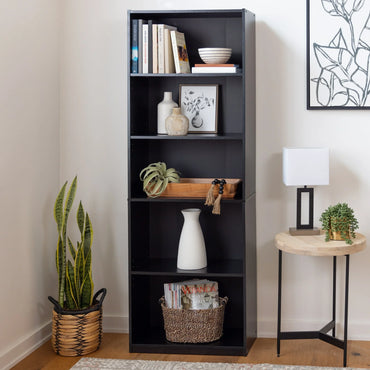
[[305, 167]]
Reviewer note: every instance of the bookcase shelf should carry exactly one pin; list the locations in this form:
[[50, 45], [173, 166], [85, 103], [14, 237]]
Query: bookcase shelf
[[167, 267], [189, 137], [155, 224], [185, 75]]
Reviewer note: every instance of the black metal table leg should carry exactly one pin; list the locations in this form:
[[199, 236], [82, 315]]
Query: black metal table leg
[[279, 304], [334, 291], [346, 313]]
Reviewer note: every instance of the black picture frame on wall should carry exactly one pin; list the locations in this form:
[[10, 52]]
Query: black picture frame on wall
[[338, 54]]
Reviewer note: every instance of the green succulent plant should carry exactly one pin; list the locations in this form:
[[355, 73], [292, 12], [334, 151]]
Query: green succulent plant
[[156, 177], [74, 275], [339, 218]]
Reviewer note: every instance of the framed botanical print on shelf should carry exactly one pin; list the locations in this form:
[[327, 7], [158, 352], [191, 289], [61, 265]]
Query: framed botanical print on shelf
[[338, 54], [200, 104]]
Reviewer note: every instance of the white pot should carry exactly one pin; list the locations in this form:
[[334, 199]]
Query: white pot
[[164, 109], [192, 251]]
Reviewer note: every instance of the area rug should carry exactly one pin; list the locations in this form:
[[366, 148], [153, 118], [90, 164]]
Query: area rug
[[88, 363]]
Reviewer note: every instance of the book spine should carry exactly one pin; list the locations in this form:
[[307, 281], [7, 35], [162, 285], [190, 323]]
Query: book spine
[[150, 46], [169, 66], [155, 47], [214, 65], [214, 70], [161, 48], [134, 47], [175, 52], [145, 48], [140, 48]]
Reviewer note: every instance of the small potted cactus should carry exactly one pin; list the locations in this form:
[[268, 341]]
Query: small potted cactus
[[77, 314]]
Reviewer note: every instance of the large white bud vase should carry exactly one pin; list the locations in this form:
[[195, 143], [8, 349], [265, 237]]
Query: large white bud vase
[[192, 250], [164, 109]]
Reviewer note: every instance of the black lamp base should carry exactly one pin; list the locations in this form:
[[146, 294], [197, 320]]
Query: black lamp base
[[297, 232]]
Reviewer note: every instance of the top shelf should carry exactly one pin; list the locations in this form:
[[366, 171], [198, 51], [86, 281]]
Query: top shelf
[[215, 13]]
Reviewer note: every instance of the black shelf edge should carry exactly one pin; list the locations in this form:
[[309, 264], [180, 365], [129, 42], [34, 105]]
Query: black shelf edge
[[167, 267], [154, 341], [216, 137], [185, 75], [180, 200], [209, 13]]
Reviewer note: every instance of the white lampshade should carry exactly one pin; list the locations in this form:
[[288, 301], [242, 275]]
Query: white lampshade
[[305, 166]]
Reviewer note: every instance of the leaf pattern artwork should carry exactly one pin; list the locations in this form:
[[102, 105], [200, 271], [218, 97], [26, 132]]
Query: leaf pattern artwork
[[343, 61], [194, 103]]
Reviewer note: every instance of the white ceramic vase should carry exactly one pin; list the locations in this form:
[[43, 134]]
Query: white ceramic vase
[[192, 250], [164, 109]]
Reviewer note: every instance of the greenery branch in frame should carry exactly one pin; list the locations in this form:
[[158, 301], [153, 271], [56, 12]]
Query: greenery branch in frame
[[339, 219]]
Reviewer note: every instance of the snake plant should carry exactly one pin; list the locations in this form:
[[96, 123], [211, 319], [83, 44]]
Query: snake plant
[[156, 177], [75, 279]]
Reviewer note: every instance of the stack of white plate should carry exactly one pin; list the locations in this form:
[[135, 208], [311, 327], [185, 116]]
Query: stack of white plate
[[215, 55]]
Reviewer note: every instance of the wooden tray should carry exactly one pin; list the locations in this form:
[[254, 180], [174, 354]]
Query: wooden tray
[[198, 188]]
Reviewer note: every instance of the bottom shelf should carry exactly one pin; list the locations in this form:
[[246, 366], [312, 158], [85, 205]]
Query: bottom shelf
[[154, 341]]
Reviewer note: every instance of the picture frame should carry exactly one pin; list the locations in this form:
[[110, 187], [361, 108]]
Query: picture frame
[[338, 54], [199, 103]]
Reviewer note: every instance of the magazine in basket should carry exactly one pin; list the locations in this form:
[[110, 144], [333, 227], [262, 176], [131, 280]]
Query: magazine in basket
[[192, 294]]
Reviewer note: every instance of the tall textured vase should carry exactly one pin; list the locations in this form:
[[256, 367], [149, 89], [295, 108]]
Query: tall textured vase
[[164, 109], [192, 251]]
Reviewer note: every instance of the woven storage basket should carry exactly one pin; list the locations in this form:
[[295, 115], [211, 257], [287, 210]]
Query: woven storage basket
[[77, 333], [193, 326]]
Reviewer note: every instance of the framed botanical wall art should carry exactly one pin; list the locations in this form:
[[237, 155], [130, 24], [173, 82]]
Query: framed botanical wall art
[[338, 54], [200, 104]]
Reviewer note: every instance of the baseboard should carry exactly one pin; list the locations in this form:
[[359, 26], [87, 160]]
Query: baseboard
[[356, 330], [12, 355], [115, 324], [26, 345]]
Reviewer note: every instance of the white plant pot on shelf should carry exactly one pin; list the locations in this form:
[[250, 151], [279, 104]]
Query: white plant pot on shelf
[[192, 251]]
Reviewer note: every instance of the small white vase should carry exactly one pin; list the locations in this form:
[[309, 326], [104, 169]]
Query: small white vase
[[164, 109], [192, 251]]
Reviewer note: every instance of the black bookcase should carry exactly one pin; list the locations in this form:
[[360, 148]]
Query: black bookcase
[[155, 224]]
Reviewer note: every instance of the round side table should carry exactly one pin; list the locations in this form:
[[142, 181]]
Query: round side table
[[315, 245]]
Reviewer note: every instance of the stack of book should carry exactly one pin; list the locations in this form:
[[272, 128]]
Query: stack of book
[[192, 294], [215, 68], [157, 48]]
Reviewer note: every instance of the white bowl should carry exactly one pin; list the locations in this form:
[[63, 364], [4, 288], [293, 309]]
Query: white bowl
[[215, 55]]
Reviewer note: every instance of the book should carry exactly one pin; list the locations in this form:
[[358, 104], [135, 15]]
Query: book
[[199, 295], [155, 48], [150, 46], [169, 65], [214, 69], [215, 65], [160, 28], [134, 47], [140, 46], [145, 48], [180, 53], [192, 295]]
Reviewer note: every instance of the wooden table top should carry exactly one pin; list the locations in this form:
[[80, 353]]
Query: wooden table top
[[315, 245]]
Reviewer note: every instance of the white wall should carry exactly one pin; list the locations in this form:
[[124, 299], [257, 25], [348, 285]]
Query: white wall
[[29, 167], [93, 144]]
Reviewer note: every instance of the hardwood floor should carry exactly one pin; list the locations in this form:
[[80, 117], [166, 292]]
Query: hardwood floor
[[293, 352]]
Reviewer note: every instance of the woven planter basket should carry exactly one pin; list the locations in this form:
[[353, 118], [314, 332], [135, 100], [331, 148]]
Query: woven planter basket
[[77, 332], [193, 326]]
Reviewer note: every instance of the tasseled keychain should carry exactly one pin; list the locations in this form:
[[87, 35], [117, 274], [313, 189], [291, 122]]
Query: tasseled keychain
[[210, 200], [217, 203]]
